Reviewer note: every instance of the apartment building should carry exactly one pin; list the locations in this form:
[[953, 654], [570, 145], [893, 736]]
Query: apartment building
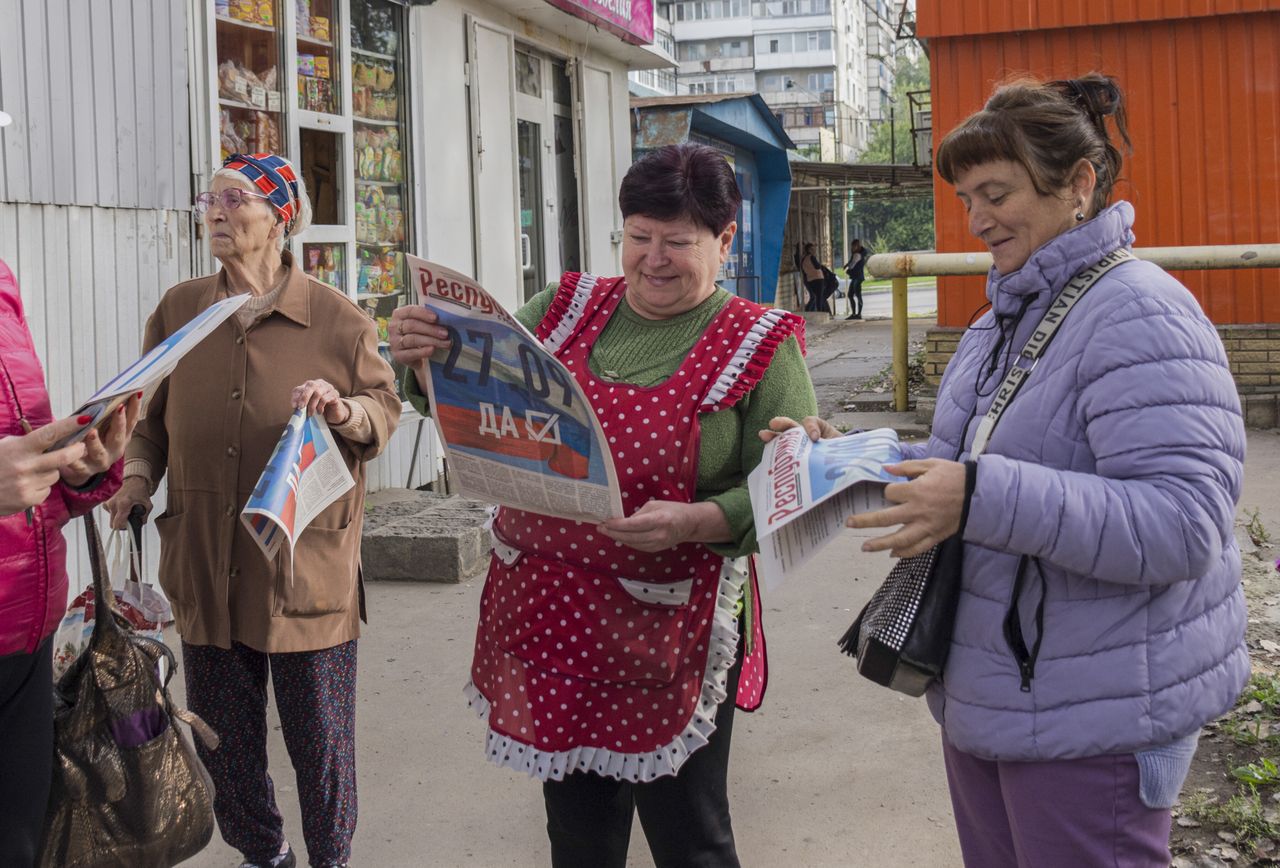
[[825, 67]]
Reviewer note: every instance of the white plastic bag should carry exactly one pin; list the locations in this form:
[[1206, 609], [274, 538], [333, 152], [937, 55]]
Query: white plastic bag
[[140, 603]]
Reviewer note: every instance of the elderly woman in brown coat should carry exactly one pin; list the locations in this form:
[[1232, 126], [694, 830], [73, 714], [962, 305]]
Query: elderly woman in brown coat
[[212, 426]]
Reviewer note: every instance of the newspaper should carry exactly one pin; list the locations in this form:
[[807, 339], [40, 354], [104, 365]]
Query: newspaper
[[802, 492], [145, 374], [516, 425], [305, 474]]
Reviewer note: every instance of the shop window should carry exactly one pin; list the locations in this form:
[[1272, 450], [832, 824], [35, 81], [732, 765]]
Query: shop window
[[248, 71], [318, 71]]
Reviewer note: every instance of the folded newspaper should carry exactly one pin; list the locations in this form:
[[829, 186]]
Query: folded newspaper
[[802, 492], [516, 426], [305, 474], [145, 374]]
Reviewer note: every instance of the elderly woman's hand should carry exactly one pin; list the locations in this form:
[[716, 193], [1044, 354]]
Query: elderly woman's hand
[[662, 524], [929, 507], [318, 396], [105, 449], [818, 429]]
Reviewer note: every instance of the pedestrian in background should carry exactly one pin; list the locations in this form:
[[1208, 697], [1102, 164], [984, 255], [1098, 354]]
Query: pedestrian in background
[[814, 280], [1101, 620], [856, 269], [211, 427]]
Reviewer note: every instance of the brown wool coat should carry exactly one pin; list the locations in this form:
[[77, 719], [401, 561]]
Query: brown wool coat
[[212, 426]]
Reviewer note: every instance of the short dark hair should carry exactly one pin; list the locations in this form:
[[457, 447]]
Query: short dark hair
[[682, 181], [1047, 128]]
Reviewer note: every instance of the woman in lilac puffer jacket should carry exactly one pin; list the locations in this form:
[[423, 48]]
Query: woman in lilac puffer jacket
[[1072, 698], [39, 493]]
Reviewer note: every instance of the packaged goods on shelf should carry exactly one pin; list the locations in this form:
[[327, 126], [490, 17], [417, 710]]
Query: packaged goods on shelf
[[302, 9], [320, 27], [322, 66], [222, 7], [307, 65], [248, 133], [266, 13], [378, 156], [380, 273]]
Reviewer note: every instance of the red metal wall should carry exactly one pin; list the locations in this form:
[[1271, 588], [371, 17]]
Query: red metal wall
[[1204, 114]]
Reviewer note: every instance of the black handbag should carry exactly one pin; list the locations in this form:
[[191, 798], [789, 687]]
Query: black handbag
[[128, 789], [902, 636]]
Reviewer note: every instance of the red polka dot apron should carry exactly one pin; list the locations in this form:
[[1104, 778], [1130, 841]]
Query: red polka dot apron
[[594, 656]]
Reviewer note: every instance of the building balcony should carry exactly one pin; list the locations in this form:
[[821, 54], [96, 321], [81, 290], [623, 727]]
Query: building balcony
[[797, 97], [715, 64], [712, 28], [825, 58]]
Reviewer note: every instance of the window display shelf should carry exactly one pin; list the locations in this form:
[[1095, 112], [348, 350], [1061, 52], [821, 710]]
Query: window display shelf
[[250, 25], [379, 183], [311, 40], [374, 54], [373, 122], [237, 104]]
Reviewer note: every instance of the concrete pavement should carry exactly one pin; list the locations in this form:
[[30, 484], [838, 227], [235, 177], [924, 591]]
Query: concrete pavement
[[832, 771]]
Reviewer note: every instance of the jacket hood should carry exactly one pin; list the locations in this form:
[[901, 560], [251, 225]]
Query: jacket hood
[[1061, 258]]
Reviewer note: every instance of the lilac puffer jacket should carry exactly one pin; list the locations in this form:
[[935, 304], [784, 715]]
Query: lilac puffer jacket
[[1117, 469]]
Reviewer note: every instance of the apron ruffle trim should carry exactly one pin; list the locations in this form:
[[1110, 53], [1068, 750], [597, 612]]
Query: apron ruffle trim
[[752, 358], [722, 651], [565, 311]]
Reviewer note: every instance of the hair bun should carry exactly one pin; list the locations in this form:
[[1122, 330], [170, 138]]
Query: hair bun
[[1097, 95]]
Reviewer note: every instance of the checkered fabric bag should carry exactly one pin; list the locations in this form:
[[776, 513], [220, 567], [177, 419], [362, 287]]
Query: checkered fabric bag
[[903, 634]]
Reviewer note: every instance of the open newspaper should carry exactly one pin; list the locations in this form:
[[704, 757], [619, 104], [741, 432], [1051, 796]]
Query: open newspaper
[[802, 492], [516, 425], [145, 374], [305, 474]]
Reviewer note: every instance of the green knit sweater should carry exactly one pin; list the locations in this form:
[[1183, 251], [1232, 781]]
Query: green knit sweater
[[644, 352]]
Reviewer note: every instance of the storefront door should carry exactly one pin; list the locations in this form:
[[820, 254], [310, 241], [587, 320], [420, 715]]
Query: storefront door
[[547, 170]]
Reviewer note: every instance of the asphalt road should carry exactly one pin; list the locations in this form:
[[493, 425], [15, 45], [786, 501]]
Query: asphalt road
[[879, 302]]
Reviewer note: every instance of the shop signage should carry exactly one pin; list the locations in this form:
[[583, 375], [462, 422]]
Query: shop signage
[[629, 20]]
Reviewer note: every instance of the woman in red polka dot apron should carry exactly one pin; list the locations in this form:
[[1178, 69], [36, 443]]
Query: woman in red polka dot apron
[[608, 657]]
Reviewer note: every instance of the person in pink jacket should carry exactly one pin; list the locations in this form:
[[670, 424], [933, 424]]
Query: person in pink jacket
[[39, 492]]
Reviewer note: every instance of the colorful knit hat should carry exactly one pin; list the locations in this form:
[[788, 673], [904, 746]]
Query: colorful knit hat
[[274, 176]]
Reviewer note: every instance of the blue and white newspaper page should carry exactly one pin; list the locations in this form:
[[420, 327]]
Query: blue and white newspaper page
[[516, 425], [802, 492], [145, 374], [304, 474]]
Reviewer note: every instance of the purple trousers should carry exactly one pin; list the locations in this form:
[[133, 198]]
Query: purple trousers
[[1081, 813]]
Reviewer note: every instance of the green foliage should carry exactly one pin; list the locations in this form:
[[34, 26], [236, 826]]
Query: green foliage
[[1264, 689], [908, 77], [1263, 773], [1242, 814], [896, 224]]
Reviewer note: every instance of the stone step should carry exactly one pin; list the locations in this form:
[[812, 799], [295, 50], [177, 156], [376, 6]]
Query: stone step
[[419, 536]]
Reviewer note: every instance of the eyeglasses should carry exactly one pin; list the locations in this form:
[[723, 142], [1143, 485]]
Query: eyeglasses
[[230, 199]]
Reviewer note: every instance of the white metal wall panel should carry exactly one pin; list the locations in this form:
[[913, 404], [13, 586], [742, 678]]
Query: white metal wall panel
[[89, 279], [98, 95]]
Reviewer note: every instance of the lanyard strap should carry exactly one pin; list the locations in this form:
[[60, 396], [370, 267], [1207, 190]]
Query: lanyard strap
[[1039, 341]]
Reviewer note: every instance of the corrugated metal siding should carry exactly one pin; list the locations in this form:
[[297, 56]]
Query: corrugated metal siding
[[89, 279], [1204, 113], [945, 18], [98, 94]]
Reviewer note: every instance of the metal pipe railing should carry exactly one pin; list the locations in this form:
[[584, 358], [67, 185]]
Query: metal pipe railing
[[900, 266]]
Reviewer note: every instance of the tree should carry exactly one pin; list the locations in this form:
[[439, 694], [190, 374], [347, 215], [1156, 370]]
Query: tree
[[904, 223]]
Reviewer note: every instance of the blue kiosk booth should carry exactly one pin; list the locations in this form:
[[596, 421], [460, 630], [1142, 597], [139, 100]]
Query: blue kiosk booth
[[742, 127]]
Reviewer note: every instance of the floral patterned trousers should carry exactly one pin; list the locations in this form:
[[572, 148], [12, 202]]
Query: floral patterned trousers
[[316, 695]]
